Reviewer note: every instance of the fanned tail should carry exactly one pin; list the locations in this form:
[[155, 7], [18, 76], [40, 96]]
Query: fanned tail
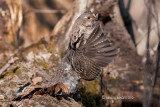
[[56, 90], [29, 95]]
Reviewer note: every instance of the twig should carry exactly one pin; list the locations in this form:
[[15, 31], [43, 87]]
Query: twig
[[145, 97], [154, 17], [157, 21], [154, 75], [127, 19], [143, 34], [47, 11], [138, 28], [11, 61], [157, 61], [53, 11]]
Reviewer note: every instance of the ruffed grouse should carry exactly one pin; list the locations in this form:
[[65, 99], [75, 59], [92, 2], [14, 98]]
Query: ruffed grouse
[[87, 53]]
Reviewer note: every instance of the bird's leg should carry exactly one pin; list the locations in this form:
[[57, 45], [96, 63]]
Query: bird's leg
[[101, 83], [102, 94]]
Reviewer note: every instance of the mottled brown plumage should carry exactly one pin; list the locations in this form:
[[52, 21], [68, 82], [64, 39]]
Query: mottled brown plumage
[[89, 50]]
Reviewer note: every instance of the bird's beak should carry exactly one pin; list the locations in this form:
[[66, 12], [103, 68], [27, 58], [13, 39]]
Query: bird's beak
[[96, 15]]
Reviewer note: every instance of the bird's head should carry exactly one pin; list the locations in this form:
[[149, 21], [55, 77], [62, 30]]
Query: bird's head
[[83, 27]]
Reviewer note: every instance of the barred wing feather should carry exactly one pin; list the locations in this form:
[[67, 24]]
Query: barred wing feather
[[93, 54]]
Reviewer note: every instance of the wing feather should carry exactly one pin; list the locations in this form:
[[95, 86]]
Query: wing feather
[[97, 52]]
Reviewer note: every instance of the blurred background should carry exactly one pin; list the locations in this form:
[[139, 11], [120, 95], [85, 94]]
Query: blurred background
[[34, 34]]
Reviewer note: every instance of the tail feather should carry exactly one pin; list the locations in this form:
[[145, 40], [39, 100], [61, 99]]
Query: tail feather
[[29, 95], [58, 89]]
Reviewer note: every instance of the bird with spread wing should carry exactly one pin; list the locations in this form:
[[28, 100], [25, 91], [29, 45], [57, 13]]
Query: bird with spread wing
[[88, 52]]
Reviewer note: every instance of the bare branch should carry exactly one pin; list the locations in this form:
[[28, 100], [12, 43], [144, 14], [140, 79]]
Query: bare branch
[[46, 11], [157, 60], [146, 89]]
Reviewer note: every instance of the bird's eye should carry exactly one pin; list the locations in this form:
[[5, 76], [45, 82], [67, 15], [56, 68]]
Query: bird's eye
[[87, 17]]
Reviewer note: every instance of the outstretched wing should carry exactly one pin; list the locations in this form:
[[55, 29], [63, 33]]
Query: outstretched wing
[[93, 54]]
